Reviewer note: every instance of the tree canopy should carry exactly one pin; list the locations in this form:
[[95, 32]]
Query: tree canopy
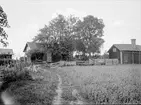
[[67, 34], [3, 23], [89, 32]]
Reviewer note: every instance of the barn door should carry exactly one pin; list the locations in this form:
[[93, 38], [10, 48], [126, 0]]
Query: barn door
[[125, 58], [136, 57], [139, 57]]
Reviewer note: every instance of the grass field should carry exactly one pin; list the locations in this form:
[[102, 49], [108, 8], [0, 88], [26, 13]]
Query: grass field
[[102, 84], [95, 84], [29, 87]]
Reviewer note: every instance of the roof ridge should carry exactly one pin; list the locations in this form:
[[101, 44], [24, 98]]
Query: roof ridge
[[6, 48], [128, 47], [126, 44], [6, 51]]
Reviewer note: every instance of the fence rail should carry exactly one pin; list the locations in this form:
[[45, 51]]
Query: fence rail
[[87, 63], [99, 62]]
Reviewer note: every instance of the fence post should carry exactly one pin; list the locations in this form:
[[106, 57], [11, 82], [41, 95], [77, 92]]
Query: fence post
[[121, 60], [139, 58]]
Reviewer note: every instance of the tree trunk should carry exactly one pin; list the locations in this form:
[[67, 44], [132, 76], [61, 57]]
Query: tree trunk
[[70, 56], [83, 55], [90, 55]]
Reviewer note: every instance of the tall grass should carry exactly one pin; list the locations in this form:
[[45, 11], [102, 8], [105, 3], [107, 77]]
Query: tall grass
[[103, 84], [15, 72], [29, 87]]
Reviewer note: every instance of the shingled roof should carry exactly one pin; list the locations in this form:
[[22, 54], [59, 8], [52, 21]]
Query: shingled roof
[[33, 45], [6, 51], [127, 47]]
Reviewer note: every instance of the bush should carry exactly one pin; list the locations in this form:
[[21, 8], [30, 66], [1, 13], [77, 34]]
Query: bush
[[26, 86], [10, 75], [16, 73]]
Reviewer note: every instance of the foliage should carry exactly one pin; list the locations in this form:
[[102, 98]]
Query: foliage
[[89, 32], [3, 23], [105, 55], [25, 86], [15, 72], [67, 34], [58, 35], [79, 45], [35, 54], [11, 75], [30, 52]]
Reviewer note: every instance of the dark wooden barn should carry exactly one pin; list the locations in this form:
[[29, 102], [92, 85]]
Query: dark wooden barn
[[126, 53], [5, 56]]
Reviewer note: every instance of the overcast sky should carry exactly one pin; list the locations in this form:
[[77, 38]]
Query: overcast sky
[[122, 18]]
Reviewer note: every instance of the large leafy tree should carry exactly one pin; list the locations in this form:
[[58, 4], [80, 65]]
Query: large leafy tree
[[58, 35], [67, 34], [3, 23], [90, 32]]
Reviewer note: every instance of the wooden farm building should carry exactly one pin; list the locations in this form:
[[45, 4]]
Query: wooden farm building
[[126, 53], [38, 55], [5, 56]]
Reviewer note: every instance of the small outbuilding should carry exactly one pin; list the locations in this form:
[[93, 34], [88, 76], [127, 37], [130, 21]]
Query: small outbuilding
[[126, 53], [39, 54], [5, 56]]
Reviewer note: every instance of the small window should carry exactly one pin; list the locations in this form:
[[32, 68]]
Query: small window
[[114, 49]]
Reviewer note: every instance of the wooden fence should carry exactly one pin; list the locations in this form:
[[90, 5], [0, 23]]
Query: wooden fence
[[98, 62], [105, 61], [87, 63]]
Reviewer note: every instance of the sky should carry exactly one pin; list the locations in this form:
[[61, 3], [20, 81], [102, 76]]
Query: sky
[[122, 19]]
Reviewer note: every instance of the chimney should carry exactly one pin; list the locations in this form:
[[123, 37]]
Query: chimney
[[133, 42]]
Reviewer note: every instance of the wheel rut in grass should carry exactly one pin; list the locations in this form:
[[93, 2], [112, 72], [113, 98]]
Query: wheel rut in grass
[[58, 98]]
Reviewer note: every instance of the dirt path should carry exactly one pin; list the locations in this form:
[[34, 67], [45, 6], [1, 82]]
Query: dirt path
[[58, 98]]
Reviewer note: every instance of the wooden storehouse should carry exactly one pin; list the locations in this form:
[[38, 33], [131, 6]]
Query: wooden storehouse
[[39, 55], [5, 56], [126, 53]]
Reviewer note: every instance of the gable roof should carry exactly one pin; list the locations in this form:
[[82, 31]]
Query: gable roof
[[32, 45], [6, 51], [127, 47]]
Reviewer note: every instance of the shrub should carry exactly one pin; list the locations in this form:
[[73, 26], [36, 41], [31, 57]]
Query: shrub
[[16, 73], [27, 87]]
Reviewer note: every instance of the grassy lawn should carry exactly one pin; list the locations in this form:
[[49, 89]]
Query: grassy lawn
[[103, 84]]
